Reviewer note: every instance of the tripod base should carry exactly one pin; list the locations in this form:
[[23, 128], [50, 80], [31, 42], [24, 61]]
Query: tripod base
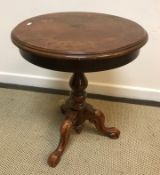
[[77, 111], [75, 120]]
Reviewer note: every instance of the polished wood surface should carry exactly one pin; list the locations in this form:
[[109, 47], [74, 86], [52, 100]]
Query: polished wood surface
[[79, 42], [79, 33], [105, 41]]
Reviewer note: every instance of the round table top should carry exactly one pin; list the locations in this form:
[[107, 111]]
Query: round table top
[[79, 36]]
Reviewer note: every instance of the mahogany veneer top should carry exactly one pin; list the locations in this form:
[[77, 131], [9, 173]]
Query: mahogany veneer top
[[79, 36]]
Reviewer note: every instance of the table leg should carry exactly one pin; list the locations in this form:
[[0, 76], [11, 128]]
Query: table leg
[[98, 119], [68, 123]]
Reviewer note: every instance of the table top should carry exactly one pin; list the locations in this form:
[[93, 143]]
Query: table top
[[79, 36]]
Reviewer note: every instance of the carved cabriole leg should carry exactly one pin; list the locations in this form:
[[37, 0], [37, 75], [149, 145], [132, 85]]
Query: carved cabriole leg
[[98, 119], [73, 109], [68, 123]]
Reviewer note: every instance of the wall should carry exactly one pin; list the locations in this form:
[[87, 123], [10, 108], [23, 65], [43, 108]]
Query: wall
[[139, 79]]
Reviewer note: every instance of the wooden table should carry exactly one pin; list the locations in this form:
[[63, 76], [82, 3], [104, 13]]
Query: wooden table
[[79, 42]]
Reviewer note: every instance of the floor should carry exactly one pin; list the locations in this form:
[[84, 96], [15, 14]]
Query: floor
[[29, 132]]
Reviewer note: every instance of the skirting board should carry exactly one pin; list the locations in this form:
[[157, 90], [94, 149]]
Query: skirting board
[[93, 87]]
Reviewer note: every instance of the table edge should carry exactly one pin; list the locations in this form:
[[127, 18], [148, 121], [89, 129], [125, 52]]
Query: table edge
[[114, 53]]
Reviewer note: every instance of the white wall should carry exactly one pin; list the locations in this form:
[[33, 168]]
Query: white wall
[[139, 79]]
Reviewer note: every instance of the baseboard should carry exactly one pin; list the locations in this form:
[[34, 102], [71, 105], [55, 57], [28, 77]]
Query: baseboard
[[104, 89], [132, 92]]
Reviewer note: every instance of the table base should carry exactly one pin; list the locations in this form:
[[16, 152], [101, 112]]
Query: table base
[[77, 111]]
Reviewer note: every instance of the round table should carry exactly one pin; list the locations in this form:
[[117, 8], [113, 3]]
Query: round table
[[79, 42]]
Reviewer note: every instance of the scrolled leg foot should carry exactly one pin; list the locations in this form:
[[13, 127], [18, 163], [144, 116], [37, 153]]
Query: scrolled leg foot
[[55, 157], [112, 132], [98, 119]]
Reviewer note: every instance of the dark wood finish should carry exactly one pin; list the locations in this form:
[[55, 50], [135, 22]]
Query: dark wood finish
[[90, 41], [78, 43], [79, 65], [78, 34]]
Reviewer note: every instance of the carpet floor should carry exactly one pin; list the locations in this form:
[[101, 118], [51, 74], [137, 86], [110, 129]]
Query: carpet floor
[[29, 132]]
